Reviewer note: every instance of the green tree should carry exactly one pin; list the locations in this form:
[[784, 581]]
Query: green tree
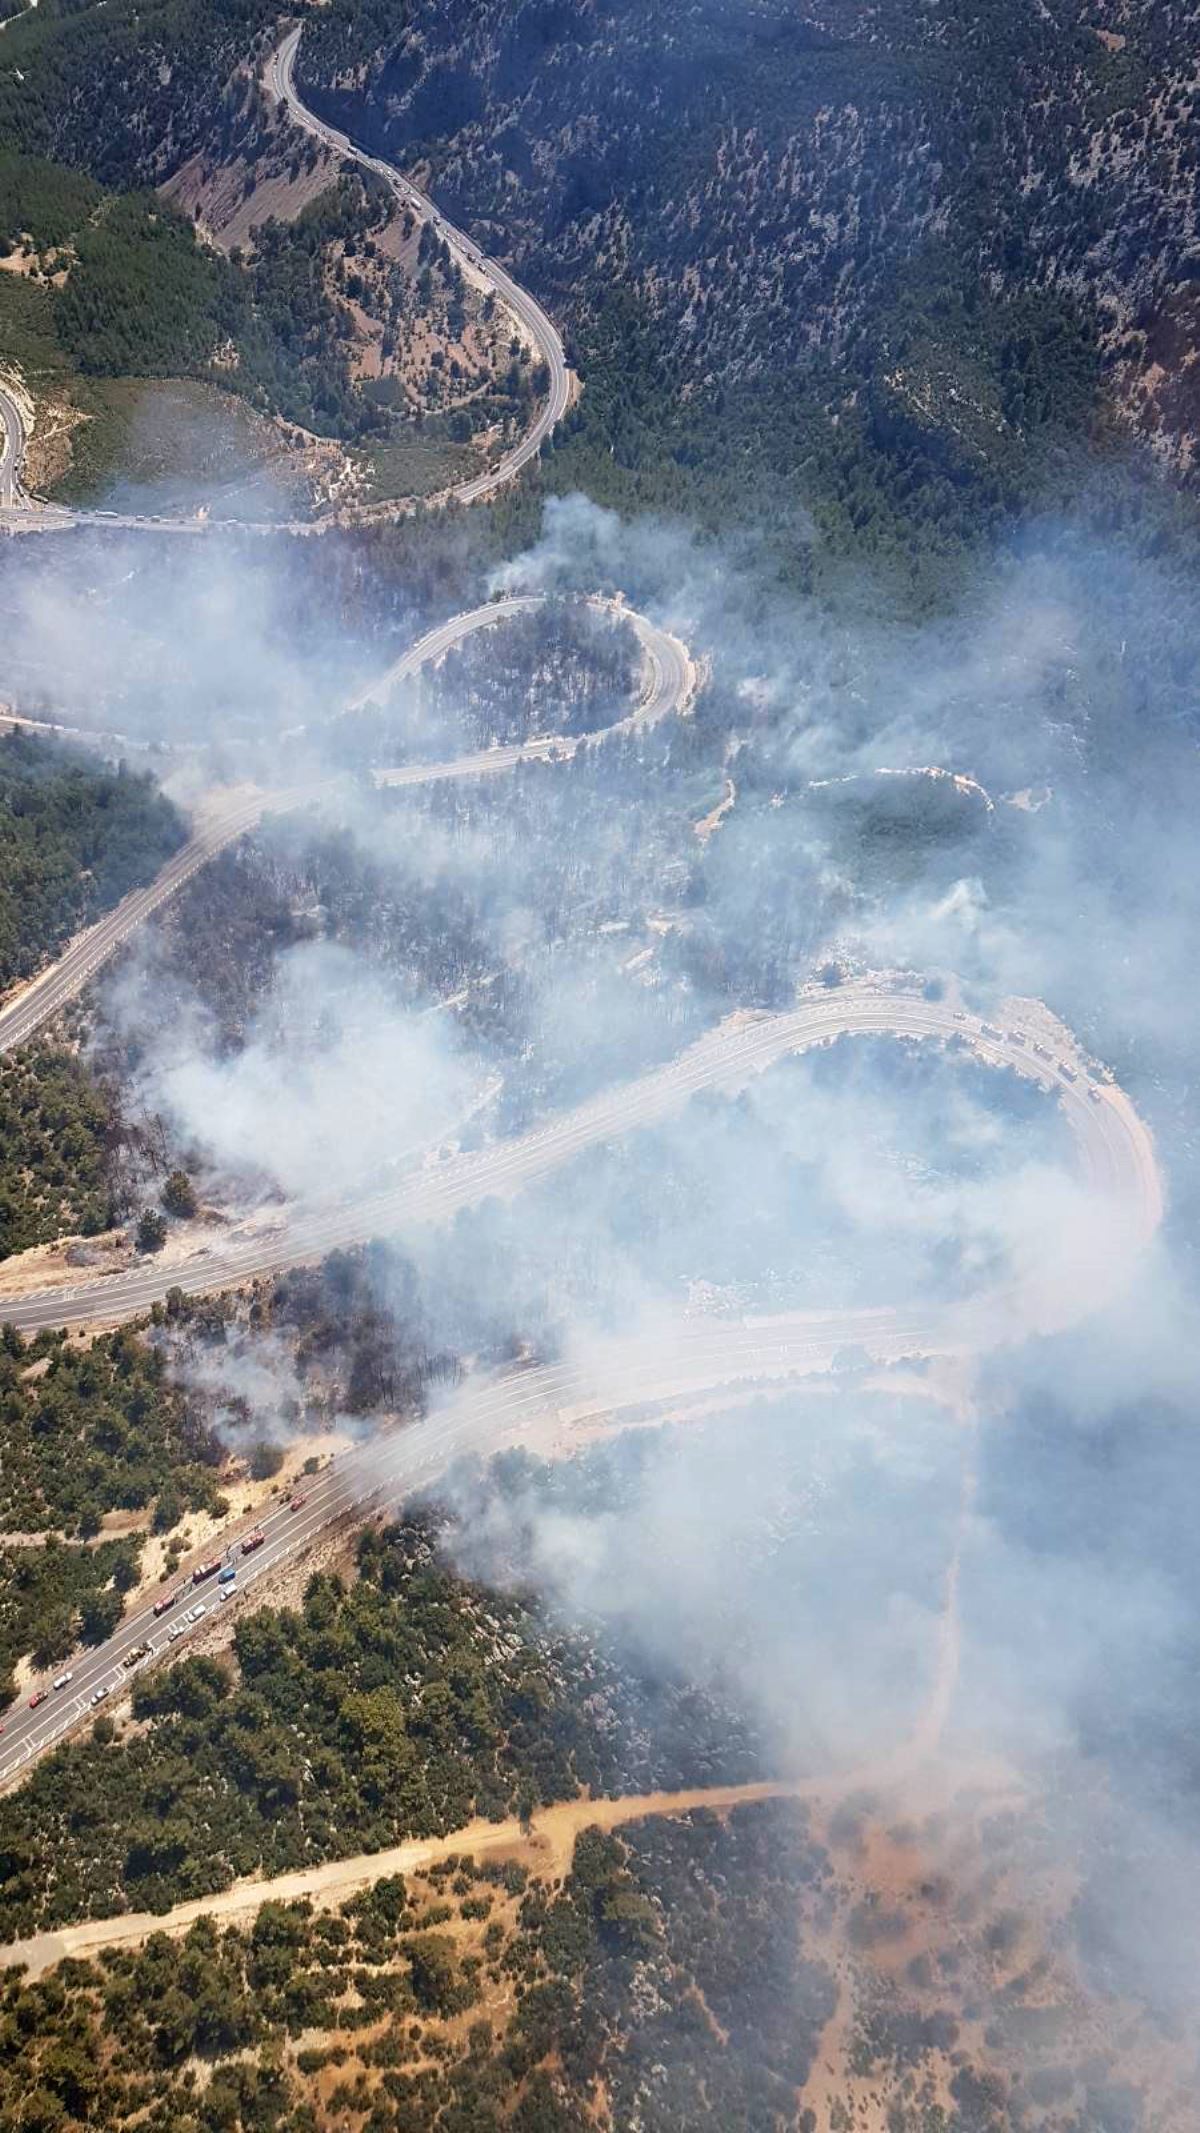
[[99, 1616], [179, 1195], [151, 1230], [56, 1636]]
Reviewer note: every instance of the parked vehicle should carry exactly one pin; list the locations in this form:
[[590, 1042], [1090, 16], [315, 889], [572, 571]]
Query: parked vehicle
[[228, 1574]]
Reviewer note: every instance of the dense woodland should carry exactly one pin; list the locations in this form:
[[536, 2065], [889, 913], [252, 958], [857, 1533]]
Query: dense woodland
[[684, 1968], [785, 248], [55, 1129], [804, 292], [74, 837], [54, 1596], [97, 1429], [141, 295], [707, 1914]]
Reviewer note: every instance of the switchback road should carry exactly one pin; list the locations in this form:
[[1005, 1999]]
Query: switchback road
[[670, 1364], [1115, 1149], [667, 681]]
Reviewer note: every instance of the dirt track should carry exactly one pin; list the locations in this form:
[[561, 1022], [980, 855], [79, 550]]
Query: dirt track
[[545, 1847]]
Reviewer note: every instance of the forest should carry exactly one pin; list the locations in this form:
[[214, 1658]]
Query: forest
[[55, 1126], [681, 1969], [143, 296], [841, 308], [76, 837], [789, 258], [96, 1429], [473, 1996]]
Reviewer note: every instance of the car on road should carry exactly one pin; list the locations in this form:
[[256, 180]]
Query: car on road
[[38, 1696], [131, 1659], [297, 1503], [194, 1613], [61, 1680], [98, 1695], [177, 1629]]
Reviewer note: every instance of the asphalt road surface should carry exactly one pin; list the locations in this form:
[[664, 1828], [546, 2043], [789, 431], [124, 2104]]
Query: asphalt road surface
[[1117, 1158], [1115, 1151], [12, 448], [668, 682], [66, 978], [670, 1364], [536, 329], [374, 1476]]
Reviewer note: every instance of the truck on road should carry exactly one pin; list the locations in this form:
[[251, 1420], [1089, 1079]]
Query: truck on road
[[204, 1570], [253, 1540]]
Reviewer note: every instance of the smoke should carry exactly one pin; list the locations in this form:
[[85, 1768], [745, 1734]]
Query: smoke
[[333, 1089], [1012, 1560]]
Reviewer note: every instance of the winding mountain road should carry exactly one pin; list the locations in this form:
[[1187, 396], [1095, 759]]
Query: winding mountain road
[[539, 332], [1114, 1145], [670, 1364], [686, 1360], [1114, 1148], [21, 514], [667, 683]]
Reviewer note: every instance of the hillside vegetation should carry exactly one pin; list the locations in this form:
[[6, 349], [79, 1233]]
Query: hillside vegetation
[[54, 1127], [404, 1704], [75, 837], [897, 265]]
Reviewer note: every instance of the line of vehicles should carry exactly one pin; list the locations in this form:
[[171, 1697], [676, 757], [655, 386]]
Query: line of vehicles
[[218, 1567], [1094, 1079]]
